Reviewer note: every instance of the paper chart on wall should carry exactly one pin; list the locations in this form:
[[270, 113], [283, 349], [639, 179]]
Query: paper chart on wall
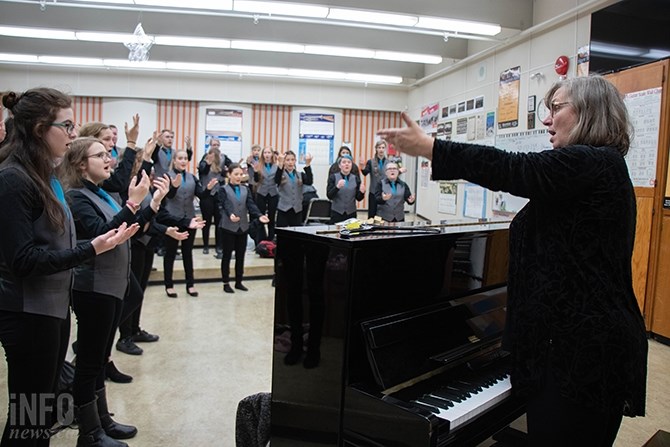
[[505, 204], [644, 110], [317, 133]]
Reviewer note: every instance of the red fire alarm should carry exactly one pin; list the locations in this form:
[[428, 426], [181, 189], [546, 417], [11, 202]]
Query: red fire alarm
[[561, 65]]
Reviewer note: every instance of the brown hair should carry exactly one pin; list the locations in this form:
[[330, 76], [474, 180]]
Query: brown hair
[[33, 112], [92, 129], [602, 115], [70, 170]]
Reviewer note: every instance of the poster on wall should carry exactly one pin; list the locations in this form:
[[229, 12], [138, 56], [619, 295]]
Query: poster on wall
[[317, 134], [447, 200], [424, 173], [226, 126], [474, 201], [644, 110], [429, 117], [508, 98]]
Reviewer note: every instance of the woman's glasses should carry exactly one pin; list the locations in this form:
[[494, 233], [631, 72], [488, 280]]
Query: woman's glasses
[[68, 126], [101, 155]]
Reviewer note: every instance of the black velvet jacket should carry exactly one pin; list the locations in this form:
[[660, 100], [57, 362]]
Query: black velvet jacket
[[570, 293]]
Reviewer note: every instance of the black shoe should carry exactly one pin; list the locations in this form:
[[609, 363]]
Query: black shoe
[[161, 252], [293, 356], [239, 286], [218, 255], [144, 337], [228, 289], [312, 359], [205, 251], [127, 346], [171, 294], [191, 291], [75, 345], [115, 375]]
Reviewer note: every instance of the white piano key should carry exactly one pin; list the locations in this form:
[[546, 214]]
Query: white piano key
[[478, 403]]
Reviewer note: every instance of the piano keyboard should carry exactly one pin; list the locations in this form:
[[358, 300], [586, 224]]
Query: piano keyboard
[[461, 401]]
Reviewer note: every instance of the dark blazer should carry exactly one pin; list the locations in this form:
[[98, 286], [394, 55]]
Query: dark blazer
[[570, 292]]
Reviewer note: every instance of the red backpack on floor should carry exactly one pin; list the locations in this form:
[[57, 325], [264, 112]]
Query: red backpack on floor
[[266, 249]]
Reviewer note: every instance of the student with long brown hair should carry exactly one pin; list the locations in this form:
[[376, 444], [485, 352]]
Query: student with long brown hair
[[37, 252]]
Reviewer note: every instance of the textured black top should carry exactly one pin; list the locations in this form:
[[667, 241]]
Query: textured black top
[[570, 292]]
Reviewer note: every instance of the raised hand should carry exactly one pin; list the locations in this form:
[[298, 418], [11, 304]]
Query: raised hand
[[138, 190], [308, 159], [133, 132], [112, 238], [150, 146], [280, 160], [362, 188], [176, 181], [411, 140], [212, 183], [187, 140], [162, 187]]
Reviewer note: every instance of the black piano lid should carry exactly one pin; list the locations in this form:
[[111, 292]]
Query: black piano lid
[[404, 346]]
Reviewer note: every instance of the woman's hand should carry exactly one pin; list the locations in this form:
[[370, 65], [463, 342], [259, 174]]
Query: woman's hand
[[362, 187], [212, 183], [264, 219], [137, 191], [340, 183], [411, 199], [196, 223], [280, 160], [175, 234], [234, 218], [162, 187], [411, 140], [386, 196], [308, 159], [133, 132], [112, 238], [150, 146], [176, 181]]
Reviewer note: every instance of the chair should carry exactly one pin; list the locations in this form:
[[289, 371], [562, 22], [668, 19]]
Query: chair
[[318, 212]]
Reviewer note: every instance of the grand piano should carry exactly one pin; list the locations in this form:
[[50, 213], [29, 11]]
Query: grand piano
[[394, 336]]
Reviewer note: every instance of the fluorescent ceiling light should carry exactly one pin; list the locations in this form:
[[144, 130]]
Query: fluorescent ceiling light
[[104, 37], [223, 5], [200, 42], [459, 26], [281, 8], [316, 74], [377, 79], [63, 60], [248, 69], [125, 63], [339, 51], [259, 45], [9, 57], [408, 57], [355, 15], [619, 50], [188, 66], [116, 2], [37, 33]]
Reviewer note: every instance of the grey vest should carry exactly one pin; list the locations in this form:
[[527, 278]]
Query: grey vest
[[49, 294], [290, 193], [109, 272], [393, 208], [239, 208], [344, 201], [267, 185], [163, 164], [376, 174], [181, 205]]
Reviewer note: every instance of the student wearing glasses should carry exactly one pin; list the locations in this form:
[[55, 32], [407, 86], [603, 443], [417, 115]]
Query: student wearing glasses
[[101, 286], [574, 330], [38, 250], [392, 194]]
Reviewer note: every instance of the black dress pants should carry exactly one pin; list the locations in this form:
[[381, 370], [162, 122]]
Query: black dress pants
[[141, 261], [268, 205], [237, 242], [187, 258], [210, 213], [35, 348]]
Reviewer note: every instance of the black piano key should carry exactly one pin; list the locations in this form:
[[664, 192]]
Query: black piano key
[[463, 393], [446, 394], [430, 408], [473, 387], [440, 403]]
